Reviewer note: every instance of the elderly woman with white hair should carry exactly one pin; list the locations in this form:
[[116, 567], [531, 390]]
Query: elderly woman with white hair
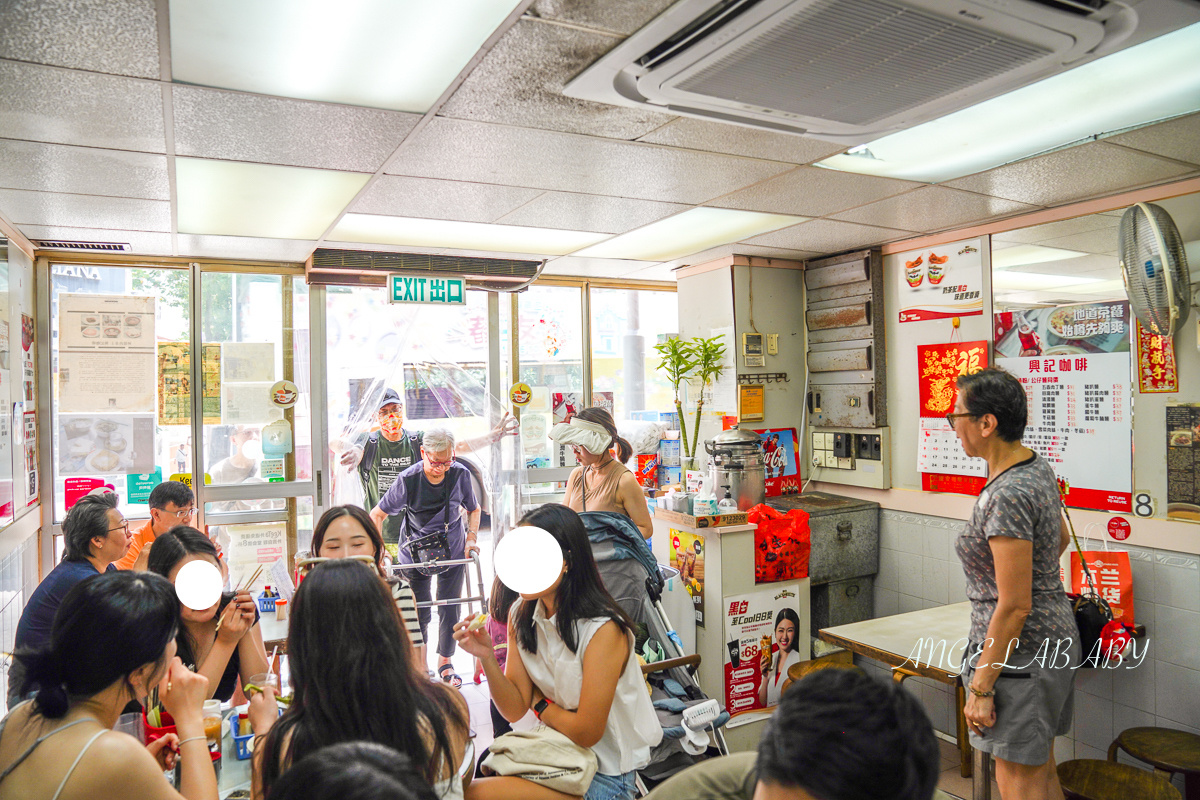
[[432, 499]]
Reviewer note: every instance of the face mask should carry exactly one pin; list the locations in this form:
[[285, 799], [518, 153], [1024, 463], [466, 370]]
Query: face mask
[[392, 424], [252, 449]]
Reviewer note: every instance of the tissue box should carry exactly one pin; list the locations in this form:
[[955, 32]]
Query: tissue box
[[647, 471], [669, 451]]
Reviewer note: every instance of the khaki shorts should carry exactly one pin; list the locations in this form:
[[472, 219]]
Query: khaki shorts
[[1033, 705]]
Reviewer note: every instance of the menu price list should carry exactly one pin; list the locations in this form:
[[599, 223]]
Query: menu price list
[[1080, 422], [1183, 462]]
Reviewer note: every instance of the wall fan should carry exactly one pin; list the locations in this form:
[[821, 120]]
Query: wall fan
[[1154, 267]]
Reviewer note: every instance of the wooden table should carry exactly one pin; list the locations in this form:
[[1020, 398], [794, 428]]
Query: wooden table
[[274, 632], [939, 637], [1164, 749]]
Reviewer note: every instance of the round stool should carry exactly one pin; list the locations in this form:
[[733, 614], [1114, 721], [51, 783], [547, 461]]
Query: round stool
[[1166, 749], [1090, 779]]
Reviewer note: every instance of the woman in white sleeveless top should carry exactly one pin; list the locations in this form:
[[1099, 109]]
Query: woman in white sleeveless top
[[573, 664]]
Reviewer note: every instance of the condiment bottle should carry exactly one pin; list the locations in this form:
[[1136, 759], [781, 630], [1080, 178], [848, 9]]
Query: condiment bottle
[[281, 609]]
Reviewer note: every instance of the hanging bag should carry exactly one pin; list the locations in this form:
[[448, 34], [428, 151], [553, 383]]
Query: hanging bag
[[429, 548], [1091, 611]]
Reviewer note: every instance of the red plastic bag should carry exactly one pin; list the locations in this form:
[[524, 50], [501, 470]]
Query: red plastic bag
[[782, 544]]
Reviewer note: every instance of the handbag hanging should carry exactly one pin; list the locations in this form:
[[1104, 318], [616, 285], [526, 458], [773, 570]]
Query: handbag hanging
[[1091, 611], [429, 548]]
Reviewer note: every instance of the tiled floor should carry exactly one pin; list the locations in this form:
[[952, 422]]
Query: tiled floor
[[951, 781]]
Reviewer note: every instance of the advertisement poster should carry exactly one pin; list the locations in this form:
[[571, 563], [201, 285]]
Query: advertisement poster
[[247, 403], [1074, 362], [687, 556], [762, 635], [252, 545], [1183, 462], [27, 374], [1155, 362], [248, 362], [939, 453], [781, 461], [174, 383], [107, 354], [31, 460], [943, 282], [105, 444]]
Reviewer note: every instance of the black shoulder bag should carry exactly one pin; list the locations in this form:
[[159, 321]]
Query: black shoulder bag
[[1091, 610], [427, 549]]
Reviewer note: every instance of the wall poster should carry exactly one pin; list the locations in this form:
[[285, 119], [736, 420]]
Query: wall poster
[[1076, 374], [939, 453], [781, 461], [174, 383], [941, 282], [687, 556], [763, 638], [107, 354], [252, 545], [1183, 461], [105, 444], [1156, 370]]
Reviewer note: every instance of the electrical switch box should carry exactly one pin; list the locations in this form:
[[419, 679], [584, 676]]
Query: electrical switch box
[[842, 445], [853, 457], [772, 344]]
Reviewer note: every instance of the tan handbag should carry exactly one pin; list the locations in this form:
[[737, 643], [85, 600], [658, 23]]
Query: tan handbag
[[545, 757]]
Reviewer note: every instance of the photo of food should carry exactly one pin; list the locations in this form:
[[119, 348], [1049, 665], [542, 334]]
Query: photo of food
[[112, 333], [90, 333], [937, 268], [112, 319], [1181, 438], [105, 445], [132, 321]]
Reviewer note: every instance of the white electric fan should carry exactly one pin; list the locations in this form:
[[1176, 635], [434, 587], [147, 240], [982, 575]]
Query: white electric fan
[[1154, 267]]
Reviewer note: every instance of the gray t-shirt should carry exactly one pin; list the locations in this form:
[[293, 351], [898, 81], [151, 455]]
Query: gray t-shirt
[[1022, 502]]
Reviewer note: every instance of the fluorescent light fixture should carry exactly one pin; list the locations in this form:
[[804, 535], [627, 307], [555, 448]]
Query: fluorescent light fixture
[[232, 198], [690, 232], [1154, 80], [380, 229], [1025, 254], [378, 53], [1035, 281], [1113, 287]]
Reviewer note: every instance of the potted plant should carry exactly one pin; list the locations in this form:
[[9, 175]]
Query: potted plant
[[707, 356], [677, 364]]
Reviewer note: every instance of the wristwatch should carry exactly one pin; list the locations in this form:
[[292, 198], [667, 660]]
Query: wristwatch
[[539, 707]]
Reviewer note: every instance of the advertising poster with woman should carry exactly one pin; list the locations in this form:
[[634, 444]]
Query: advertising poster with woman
[[764, 638]]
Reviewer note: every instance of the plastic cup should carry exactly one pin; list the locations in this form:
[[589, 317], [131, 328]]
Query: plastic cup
[[133, 724], [265, 679]]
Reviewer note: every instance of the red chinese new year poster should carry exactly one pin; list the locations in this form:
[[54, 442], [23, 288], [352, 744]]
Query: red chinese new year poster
[[1156, 363], [943, 465]]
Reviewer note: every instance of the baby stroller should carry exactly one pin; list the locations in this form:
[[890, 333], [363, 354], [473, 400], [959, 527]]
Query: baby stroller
[[633, 578]]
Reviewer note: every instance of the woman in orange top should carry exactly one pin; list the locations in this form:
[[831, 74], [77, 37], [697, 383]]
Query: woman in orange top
[[601, 483]]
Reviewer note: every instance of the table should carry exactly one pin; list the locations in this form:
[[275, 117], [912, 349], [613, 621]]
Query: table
[[937, 639], [274, 632]]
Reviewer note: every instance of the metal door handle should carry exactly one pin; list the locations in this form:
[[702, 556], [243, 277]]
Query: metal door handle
[[844, 531]]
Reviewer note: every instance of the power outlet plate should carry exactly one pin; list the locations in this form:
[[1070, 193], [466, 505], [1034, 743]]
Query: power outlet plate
[[868, 462], [772, 344]]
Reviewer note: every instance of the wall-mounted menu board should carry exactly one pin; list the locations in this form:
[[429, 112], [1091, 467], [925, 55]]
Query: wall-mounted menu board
[[1074, 362]]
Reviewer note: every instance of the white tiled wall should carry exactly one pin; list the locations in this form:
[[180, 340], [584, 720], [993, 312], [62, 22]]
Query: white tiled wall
[[18, 579], [918, 569]]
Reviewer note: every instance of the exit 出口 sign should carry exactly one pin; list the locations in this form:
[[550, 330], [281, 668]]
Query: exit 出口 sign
[[429, 290]]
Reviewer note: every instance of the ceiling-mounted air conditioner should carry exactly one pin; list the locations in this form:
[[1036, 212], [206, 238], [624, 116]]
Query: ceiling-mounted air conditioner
[[852, 70]]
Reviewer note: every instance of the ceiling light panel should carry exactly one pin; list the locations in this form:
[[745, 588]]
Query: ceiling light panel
[[689, 232], [1024, 254], [231, 198], [1034, 281], [407, 231], [376, 53], [1155, 80]]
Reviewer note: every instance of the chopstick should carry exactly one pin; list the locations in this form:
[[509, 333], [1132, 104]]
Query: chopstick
[[241, 587]]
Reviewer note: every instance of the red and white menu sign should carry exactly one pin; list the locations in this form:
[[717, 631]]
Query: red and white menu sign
[[1080, 421]]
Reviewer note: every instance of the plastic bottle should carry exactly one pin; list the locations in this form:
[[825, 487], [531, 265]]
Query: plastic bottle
[[727, 505]]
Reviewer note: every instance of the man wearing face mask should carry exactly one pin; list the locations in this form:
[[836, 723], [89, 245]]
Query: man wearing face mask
[[246, 444]]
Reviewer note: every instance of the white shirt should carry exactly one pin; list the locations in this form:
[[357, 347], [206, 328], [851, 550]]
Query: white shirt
[[778, 676], [632, 727]]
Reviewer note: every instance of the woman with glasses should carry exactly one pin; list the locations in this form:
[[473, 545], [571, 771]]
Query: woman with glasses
[[95, 534], [223, 641], [1022, 647], [432, 499], [347, 532], [171, 503]]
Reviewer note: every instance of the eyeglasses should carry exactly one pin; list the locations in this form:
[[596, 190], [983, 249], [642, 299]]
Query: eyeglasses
[[951, 417], [440, 464], [124, 526], [183, 513]]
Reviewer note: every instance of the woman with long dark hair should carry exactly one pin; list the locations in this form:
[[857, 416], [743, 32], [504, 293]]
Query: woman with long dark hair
[[221, 642], [355, 679], [113, 640], [574, 665], [601, 482], [787, 652], [346, 532]]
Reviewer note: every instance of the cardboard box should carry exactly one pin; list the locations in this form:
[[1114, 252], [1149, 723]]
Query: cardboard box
[[669, 475], [717, 521], [669, 452]]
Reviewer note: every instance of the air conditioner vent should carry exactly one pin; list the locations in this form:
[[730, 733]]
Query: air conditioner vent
[[370, 266], [91, 247]]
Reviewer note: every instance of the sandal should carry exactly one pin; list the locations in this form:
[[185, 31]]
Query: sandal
[[446, 673], [478, 671]]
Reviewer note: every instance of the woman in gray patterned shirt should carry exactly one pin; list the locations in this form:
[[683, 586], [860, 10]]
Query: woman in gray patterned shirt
[[1019, 669]]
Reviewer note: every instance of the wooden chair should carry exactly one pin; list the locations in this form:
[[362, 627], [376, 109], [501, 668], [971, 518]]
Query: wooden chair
[[1091, 779], [1166, 750]]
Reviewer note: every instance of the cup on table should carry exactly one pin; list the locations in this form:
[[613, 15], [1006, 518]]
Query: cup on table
[[265, 679]]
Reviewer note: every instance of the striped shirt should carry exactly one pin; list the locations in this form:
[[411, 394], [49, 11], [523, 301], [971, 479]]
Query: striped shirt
[[403, 595]]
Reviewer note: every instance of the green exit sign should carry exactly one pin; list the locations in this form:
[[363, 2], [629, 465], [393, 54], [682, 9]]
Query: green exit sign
[[428, 290]]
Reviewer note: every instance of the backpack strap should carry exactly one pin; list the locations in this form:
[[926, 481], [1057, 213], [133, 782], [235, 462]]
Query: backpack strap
[[370, 449]]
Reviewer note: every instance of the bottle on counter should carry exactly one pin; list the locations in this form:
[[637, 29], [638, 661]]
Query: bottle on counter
[[727, 505]]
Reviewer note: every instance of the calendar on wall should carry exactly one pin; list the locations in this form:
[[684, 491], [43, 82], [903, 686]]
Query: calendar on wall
[[943, 465], [940, 451]]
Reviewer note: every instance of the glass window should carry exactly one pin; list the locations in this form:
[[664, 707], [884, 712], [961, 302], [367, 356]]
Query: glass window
[[247, 545], [550, 352], [626, 324], [121, 389]]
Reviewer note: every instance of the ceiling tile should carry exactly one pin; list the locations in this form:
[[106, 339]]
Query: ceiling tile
[[1099, 241], [119, 37], [933, 208], [399, 196], [86, 211], [739, 140], [244, 247], [45, 104], [520, 82], [82, 170], [474, 151], [1177, 138], [577, 267], [827, 236], [1038, 234], [143, 243], [1077, 173], [813, 192], [619, 16], [210, 123], [742, 249], [590, 212]]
